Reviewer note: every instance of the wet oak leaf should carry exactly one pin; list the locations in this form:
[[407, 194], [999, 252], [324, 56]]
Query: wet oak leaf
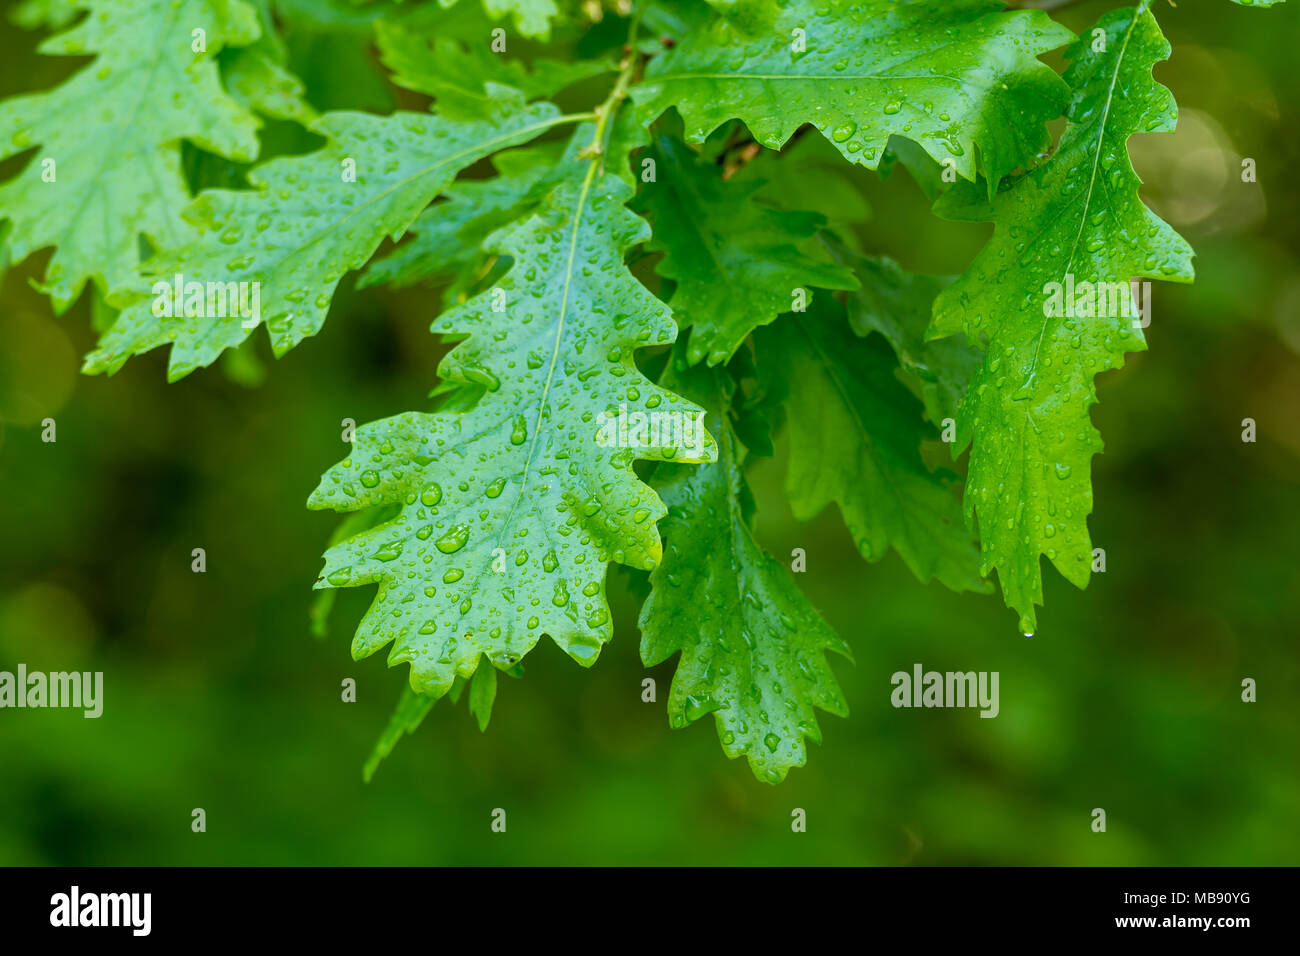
[[753, 649], [512, 510], [1077, 217]]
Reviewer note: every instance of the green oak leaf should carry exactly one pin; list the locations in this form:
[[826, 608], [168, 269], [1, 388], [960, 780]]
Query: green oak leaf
[[898, 304], [1077, 216], [737, 265], [753, 649], [953, 76], [113, 132], [305, 225], [512, 510], [855, 439]]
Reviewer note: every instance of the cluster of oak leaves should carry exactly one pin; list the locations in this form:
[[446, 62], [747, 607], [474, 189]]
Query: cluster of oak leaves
[[491, 518]]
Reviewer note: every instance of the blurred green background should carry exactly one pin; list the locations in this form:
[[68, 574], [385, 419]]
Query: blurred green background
[[1127, 698]]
